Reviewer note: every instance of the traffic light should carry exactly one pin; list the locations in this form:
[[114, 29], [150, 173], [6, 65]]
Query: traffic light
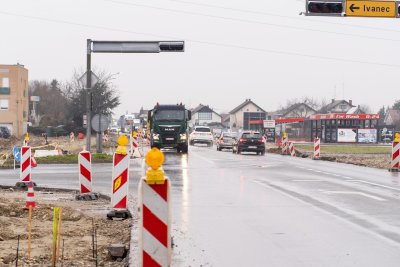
[[325, 8], [172, 46], [398, 10]]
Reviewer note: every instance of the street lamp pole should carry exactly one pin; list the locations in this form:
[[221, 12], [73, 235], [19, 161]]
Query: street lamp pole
[[88, 94]]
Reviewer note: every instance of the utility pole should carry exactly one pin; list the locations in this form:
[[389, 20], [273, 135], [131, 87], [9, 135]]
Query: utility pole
[[88, 95]]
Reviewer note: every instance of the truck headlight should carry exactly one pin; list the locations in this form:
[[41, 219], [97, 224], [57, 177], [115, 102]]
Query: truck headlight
[[183, 136], [156, 136]]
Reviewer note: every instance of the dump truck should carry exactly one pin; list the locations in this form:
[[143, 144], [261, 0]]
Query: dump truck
[[169, 127]]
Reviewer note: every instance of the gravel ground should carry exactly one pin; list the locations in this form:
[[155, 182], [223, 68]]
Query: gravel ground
[[77, 218]]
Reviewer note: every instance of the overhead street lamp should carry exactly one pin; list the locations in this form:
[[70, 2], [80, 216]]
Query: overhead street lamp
[[121, 47]]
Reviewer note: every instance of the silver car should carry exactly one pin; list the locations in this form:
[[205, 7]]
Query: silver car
[[225, 141]]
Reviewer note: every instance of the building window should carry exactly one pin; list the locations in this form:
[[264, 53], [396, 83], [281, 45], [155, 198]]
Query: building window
[[205, 116], [5, 82], [342, 107], [3, 104], [24, 114]]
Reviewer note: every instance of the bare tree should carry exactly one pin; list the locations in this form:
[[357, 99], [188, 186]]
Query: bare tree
[[51, 110]]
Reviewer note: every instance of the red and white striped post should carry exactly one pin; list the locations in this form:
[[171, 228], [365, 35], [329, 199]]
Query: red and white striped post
[[135, 147], [120, 181], [85, 172], [25, 169], [30, 197], [155, 214], [317, 148], [285, 145], [394, 164], [291, 149]]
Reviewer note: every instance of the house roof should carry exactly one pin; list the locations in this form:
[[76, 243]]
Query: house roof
[[333, 104], [395, 115], [225, 117], [295, 106], [203, 108], [245, 103]]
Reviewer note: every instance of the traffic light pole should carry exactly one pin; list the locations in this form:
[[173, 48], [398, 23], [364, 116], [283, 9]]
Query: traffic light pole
[[88, 95], [120, 47]]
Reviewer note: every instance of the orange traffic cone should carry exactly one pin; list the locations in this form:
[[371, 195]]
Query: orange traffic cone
[[33, 162], [30, 197]]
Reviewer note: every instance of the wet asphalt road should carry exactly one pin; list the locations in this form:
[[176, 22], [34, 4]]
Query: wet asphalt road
[[248, 210]]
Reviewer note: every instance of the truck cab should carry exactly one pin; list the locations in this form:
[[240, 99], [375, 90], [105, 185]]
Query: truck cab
[[168, 126]]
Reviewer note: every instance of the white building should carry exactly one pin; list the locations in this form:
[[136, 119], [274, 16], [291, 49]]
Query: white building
[[204, 115]]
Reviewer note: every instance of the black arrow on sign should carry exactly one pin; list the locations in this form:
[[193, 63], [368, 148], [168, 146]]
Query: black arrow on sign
[[352, 7]]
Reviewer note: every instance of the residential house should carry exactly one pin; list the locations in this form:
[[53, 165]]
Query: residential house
[[247, 116], [392, 117], [337, 106], [204, 115]]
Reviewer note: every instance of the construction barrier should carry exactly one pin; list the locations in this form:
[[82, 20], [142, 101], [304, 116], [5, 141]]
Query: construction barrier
[[135, 147], [285, 145], [25, 169], [394, 164], [317, 148], [291, 149], [30, 197], [85, 172], [155, 214], [120, 181]]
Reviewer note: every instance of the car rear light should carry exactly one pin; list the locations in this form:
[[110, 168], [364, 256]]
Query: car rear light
[[261, 140], [241, 140], [209, 133]]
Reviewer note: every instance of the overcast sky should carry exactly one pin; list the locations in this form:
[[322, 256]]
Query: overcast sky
[[263, 50]]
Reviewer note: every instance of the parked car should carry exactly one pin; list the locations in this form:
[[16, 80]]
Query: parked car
[[225, 141], [4, 132], [249, 142], [201, 135]]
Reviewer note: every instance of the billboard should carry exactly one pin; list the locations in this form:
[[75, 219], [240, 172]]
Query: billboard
[[269, 123], [367, 135], [347, 135]]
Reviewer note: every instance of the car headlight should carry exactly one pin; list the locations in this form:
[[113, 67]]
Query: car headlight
[[183, 136], [156, 136]]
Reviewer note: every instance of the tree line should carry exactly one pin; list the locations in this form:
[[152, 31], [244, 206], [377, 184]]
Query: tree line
[[64, 103]]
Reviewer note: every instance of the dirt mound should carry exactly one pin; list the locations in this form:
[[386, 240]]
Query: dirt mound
[[77, 220]]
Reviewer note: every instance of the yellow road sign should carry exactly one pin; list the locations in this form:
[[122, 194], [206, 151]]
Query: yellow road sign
[[360, 8]]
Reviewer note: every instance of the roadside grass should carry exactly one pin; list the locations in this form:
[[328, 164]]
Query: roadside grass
[[73, 158], [347, 149]]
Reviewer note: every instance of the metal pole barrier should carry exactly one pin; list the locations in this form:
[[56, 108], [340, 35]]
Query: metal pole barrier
[[89, 94]]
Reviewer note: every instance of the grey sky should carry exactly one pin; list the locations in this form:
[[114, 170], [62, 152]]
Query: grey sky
[[270, 54]]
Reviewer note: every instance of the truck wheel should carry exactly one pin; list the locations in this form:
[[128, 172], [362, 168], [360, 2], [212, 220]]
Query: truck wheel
[[185, 149]]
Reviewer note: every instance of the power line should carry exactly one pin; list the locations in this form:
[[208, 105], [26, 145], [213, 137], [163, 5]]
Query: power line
[[282, 16], [248, 21], [254, 49]]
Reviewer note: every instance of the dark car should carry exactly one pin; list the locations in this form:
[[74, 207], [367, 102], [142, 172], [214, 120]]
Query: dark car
[[4, 132], [225, 141], [249, 142]]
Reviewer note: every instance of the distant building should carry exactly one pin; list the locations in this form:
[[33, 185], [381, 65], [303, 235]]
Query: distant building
[[247, 116], [392, 117], [337, 106], [14, 102], [204, 115], [298, 110]]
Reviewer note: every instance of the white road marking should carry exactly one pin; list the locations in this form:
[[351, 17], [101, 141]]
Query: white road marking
[[347, 177], [380, 185], [309, 169], [357, 226], [309, 180], [354, 193]]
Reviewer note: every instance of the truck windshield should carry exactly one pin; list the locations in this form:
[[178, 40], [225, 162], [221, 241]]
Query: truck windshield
[[169, 115]]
